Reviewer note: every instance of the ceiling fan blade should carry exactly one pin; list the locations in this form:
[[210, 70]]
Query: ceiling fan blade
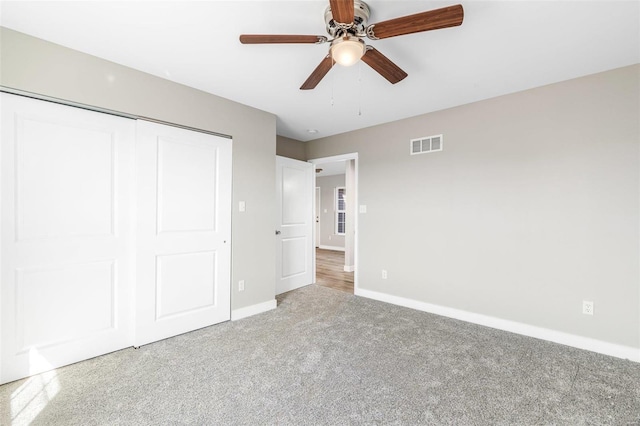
[[451, 16], [277, 38], [318, 74], [342, 11], [383, 65]]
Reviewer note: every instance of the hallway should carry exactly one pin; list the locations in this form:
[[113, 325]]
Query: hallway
[[330, 270]]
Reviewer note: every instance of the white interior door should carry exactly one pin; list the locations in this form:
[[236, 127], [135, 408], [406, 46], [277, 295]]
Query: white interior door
[[183, 231], [294, 230], [66, 267], [318, 205]]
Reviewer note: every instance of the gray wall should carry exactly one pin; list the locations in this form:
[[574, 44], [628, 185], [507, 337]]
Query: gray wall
[[327, 185], [45, 68], [532, 207], [290, 148]]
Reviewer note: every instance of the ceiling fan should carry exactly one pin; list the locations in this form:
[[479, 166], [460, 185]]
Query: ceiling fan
[[347, 24]]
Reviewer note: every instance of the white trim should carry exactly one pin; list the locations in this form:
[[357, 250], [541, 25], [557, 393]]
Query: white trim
[[356, 201], [317, 211], [349, 268], [248, 311], [334, 158], [599, 346], [335, 248]]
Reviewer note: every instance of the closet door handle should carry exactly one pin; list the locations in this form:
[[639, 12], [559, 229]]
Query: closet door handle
[[278, 232]]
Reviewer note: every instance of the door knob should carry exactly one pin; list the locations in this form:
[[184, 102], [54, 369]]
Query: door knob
[[277, 232]]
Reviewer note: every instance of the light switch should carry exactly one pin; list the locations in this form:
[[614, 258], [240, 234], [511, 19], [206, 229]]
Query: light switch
[[363, 208], [325, 210], [241, 206]]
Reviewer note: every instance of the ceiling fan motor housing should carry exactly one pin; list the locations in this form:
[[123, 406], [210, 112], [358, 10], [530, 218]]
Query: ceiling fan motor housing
[[358, 27]]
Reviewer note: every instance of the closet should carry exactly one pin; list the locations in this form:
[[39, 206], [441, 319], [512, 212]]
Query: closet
[[114, 232]]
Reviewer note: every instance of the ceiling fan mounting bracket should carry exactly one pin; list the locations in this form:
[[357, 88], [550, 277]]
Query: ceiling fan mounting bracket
[[370, 34], [356, 28]]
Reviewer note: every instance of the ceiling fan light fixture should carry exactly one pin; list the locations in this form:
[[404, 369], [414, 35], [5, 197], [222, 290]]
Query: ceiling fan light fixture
[[347, 50]]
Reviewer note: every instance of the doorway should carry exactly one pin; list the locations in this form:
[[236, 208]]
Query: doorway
[[336, 222]]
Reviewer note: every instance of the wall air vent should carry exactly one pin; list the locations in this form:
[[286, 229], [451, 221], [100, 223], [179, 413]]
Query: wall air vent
[[425, 145]]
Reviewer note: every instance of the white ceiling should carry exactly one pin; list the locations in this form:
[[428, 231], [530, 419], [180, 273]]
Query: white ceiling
[[502, 47], [331, 169]]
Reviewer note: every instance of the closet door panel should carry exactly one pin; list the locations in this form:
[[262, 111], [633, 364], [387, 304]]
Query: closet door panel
[[66, 254], [183, 231]]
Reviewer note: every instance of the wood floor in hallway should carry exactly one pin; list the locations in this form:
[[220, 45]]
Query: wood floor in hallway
[[330, 270]]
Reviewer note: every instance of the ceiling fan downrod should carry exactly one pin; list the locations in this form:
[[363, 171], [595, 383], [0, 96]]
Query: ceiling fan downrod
[[361, 13]]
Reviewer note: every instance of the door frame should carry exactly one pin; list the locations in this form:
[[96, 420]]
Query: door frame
[[342, 157]]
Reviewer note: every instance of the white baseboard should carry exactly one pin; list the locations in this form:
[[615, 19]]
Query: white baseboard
[[350, 268], [599, 346], [248, 311], [336, 248]]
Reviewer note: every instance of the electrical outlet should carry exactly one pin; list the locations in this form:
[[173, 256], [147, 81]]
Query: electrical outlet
[[241, 285], [242, 206], [384, 274], [587, 307]]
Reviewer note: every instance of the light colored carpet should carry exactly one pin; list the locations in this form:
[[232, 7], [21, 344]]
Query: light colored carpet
[[329, 358]]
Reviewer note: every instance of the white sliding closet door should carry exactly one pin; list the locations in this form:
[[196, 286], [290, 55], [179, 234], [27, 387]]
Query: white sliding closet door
[[183, 231], [66, 191]]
